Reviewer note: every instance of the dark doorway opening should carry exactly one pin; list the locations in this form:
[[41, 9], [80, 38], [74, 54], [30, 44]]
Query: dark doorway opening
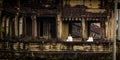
[[46, 27], [75, 28], [28, 26], [94, 29]]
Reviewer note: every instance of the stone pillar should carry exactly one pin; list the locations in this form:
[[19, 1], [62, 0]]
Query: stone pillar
[[84, 30], [35, 21], [107, 26], [118, 37], [7, 26], [109, 23], [16, 26], [103, 28], [59, 26], [34, 26], [3, 27], [21, 26], [112, 26]]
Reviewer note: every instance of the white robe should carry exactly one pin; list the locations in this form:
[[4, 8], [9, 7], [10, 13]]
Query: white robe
[[69, 38], [90, 39]]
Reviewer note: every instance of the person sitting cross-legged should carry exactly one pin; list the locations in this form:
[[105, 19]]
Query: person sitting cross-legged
[[90, 39], [69, 39]]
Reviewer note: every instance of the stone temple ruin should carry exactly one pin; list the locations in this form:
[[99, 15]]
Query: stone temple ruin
[[38, 29]]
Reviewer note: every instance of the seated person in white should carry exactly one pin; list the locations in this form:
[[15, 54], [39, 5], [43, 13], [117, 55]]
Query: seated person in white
[[69, 38], [90, 39]]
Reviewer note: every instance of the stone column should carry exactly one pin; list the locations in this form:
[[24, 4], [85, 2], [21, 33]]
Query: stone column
[[118, 25], [112, 26], [7, 26], [59, 26], [16, 25], [34, 26], [84, 30], [108, 28], [106, 23], [21, 26], [3, 27]]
